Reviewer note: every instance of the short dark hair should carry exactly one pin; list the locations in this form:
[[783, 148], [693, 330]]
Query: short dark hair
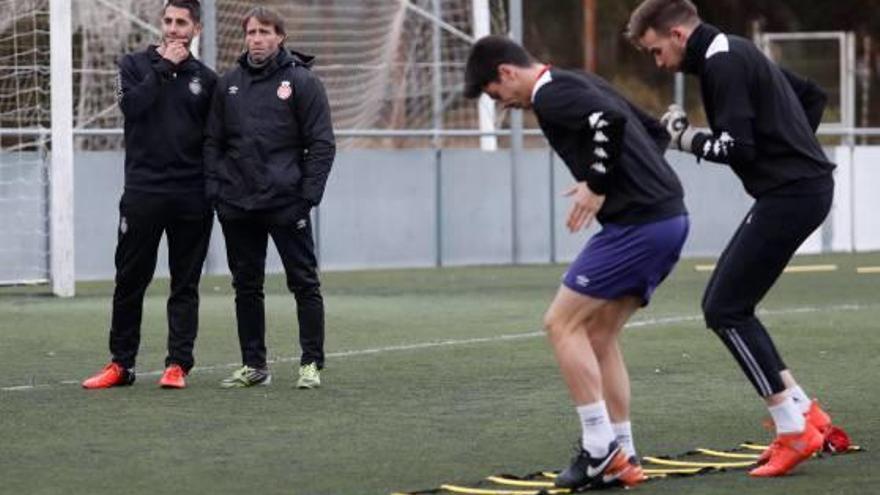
[[193, 6], [660, 15], [485, 57], [265, 16]]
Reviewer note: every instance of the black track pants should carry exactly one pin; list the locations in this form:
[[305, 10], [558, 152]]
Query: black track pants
[[763, 245], [186, 220]]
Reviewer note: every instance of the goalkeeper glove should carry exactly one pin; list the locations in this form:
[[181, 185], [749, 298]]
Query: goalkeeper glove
[[676, 123]]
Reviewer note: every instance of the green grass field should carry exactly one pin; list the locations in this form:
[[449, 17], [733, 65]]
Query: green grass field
[[433, 376]]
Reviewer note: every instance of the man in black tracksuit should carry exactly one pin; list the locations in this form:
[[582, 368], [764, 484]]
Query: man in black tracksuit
[[164, 95], [763, 121], [269, 150]]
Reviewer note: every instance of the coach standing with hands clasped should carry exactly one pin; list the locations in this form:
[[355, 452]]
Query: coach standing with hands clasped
[[268, 152]]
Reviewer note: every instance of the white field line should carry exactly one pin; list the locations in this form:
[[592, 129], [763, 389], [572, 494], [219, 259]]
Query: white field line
[[653, 322]]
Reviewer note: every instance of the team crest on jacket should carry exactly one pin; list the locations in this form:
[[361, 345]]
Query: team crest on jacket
[[195, 86], [285, 91]]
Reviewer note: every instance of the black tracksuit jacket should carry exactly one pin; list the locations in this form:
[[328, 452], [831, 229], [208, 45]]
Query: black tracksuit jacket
[[763, 118], [269, 139], [610, 144], [165, 109]]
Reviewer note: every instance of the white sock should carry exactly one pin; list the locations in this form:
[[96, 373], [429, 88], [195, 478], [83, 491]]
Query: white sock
[[801, 399], [624, 436], [596, 428], [788, 417]]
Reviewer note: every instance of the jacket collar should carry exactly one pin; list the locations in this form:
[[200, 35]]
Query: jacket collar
[[282, 59], [698, 46]]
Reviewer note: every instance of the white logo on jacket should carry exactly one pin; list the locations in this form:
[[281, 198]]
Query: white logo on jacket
[[233, 90], [285, 91], [195, 86]]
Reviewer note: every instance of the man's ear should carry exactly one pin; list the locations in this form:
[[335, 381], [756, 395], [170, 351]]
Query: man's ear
[[506, 72], [678, 34]]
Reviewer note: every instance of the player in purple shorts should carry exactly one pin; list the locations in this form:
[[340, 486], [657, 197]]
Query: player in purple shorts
[[615, 153]]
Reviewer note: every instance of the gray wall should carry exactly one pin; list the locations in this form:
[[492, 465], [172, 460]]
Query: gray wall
[[381, 210], [24, 239], [415, 208]]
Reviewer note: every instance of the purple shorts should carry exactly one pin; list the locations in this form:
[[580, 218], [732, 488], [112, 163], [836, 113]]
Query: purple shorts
[[628, 260]]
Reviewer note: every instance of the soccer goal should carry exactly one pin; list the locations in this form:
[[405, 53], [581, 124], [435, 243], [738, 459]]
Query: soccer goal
[[829, 59], [393, 71], [36, 144]]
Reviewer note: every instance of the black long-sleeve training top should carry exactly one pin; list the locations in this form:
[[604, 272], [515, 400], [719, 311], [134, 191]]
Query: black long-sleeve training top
[[610, 144], [165, 107], [269, 140], [763, 118]]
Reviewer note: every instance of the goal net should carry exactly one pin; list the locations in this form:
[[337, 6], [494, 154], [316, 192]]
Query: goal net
[[387, 65], [377, 57], [24, 122]]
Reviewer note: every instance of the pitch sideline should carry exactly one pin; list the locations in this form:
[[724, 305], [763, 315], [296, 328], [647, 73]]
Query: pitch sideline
[[457, 342]]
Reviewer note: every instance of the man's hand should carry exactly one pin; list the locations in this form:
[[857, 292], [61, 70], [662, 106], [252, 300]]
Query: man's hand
[[584, 207], [677, 125], [174, 51]]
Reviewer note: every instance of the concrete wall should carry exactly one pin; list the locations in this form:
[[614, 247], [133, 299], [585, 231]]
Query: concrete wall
[[24, 238], [382, 209]]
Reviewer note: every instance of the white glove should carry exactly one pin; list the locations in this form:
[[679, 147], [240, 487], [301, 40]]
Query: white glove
[[676, 123]]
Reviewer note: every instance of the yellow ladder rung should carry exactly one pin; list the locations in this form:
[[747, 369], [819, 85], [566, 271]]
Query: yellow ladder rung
[[715, 465], [727, 455]]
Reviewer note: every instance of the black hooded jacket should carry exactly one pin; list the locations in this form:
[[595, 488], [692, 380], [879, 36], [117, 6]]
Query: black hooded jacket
[[269, 140], [763, 118]]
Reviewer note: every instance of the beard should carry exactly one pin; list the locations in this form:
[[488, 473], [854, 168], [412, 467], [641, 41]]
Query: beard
[[186, 41]]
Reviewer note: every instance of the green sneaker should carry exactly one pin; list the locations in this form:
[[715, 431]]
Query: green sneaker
[[247, 377], [309, 376]]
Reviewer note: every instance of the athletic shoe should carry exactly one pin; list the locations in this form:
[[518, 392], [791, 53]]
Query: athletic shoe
[[247, 377], [174, 377], [818, 417], [637, 467], [309, 376], [789, 450], [112, 375], [612, 469], [639, 475], [834, 439]]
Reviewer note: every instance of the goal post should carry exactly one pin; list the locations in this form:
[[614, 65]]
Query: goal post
[[482, 19], [61, 239]]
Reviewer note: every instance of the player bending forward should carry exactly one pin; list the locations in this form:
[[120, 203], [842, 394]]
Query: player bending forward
[[615, 153]]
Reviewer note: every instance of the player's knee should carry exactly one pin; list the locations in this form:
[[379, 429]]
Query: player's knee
[[248, 287], [306, 294], [713, 313], [601, 343], [554, 324]]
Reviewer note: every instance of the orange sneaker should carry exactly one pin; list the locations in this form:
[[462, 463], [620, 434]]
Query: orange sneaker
[[174, 377], [818, 417], [112, 375], [835, 439], [789, 450], [831, 435]]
